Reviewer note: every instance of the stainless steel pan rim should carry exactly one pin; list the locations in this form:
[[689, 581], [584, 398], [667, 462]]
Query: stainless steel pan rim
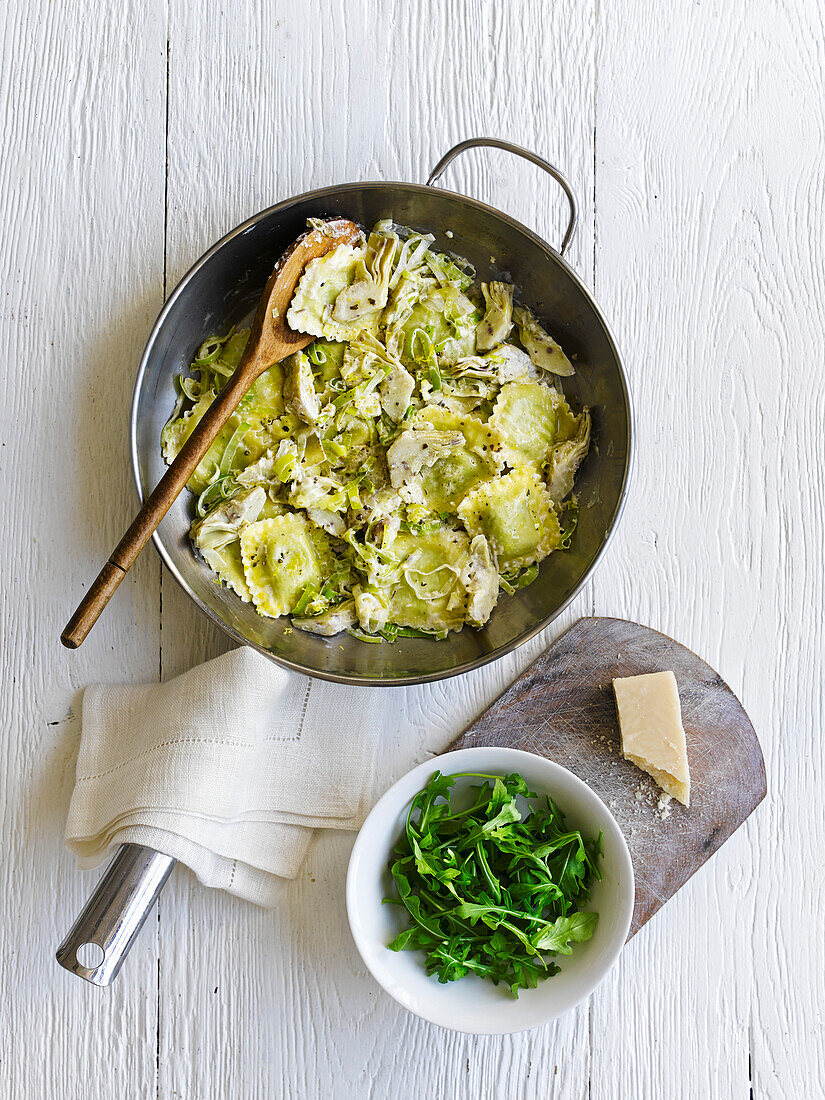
[[319, 195]]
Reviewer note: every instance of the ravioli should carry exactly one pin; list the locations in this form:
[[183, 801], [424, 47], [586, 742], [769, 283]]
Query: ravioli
[[412, 463], [311, 309], [217, 537], [443, 324], [525, 417], [449, 478], [176, 432], [281, 557], [430, 594], [515, 513], [228, 565]]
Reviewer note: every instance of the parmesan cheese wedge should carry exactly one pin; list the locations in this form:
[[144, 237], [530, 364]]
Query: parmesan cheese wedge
[[653, 738]]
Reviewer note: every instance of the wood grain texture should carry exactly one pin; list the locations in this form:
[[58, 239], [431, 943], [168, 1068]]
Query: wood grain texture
[[136, 134], [562, 707], [81, 190], [709, 156]]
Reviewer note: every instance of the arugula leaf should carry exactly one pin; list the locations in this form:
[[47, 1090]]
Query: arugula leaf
[[487, 873], [576, 928], [486, 890], [508, 813], [402, 940], [423, 865]]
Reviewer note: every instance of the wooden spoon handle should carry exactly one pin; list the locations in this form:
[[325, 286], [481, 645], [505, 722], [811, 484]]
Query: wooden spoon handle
[[156, 506]]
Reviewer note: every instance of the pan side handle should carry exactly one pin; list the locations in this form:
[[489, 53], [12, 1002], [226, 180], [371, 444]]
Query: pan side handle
[[102, 935], [526, 154]]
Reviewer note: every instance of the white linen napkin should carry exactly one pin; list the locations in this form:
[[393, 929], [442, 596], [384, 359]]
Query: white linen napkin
[[228, 768]]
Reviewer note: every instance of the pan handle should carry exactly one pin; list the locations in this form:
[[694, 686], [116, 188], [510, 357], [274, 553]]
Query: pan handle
[[114, 914], [517, 150]]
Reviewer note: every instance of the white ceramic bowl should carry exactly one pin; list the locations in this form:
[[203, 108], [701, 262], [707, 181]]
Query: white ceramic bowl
[[472, 1004]]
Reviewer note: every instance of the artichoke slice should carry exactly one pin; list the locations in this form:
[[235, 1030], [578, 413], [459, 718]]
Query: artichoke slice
[[494, 327], [540, 345]]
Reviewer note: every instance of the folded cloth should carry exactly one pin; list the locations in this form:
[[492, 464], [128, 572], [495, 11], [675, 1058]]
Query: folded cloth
[[229, 768]]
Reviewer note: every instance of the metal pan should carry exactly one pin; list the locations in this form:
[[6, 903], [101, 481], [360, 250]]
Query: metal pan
[[223, 288]]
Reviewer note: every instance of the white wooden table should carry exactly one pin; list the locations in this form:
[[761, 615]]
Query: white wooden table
[[137, 132]]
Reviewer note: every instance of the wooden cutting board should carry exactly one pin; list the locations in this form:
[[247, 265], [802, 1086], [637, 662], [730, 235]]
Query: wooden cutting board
[[562, 707]]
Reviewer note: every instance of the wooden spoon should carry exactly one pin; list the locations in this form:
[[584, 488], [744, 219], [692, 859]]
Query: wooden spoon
[[270, 341]]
